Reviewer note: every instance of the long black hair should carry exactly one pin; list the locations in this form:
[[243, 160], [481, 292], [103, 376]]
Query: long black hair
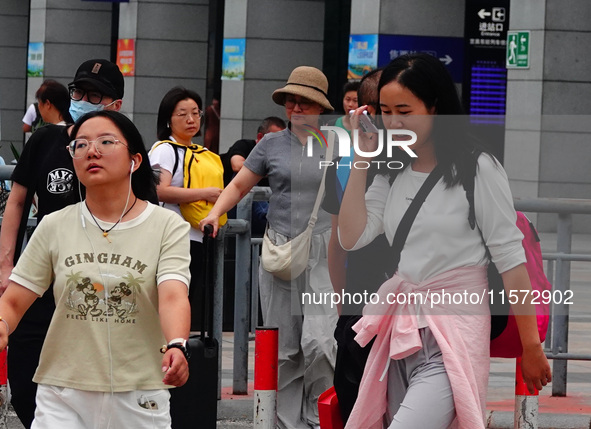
[[424, 75], [143, 180], [167, 106]]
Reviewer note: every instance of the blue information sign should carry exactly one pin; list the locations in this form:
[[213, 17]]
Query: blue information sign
[[449, 50]]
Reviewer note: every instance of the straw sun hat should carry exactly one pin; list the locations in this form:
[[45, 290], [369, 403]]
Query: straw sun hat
[[308, 82]]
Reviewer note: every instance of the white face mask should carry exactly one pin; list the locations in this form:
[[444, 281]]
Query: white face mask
[[80, 108]]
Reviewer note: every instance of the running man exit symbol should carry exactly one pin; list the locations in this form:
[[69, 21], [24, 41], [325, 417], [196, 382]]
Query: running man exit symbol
[[518, 49]]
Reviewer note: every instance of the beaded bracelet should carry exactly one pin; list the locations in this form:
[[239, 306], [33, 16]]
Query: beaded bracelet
[[6, 323]]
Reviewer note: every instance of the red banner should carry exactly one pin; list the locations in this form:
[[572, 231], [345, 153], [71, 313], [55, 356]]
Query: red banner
[[126, 56]]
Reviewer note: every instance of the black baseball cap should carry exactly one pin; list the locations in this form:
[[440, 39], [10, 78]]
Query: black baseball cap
[[103, 75]]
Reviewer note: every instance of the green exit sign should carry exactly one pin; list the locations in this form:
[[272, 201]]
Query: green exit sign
[[518, 49]]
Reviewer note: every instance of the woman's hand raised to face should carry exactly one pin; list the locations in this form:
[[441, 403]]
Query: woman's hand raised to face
[[368, 142]]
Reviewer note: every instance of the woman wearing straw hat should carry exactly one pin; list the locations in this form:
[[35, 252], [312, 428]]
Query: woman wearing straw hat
[[306, 346]]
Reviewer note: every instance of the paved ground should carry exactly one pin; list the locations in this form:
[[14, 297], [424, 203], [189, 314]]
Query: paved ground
[[13, 422], [570, 412]]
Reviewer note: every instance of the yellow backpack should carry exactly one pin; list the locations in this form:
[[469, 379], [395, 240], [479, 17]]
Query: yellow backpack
[[201, 169]]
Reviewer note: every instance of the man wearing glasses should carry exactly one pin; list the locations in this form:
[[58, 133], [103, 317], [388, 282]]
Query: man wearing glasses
[[98, 85], [45, 169]]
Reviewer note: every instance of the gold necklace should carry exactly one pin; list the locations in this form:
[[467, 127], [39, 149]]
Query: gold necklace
[[106, 231]]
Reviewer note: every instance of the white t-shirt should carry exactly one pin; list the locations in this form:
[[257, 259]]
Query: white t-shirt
[[30, 115], [162, 157], [440, 238], [105, 332]]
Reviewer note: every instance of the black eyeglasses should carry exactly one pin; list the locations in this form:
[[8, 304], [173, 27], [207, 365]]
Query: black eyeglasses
[[305, 104], [93, 97]]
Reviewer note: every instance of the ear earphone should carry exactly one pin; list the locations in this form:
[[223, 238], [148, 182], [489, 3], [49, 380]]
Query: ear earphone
[[81, 215], [132, 165]]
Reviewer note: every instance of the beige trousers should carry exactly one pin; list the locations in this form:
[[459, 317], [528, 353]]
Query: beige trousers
[[307, 349]]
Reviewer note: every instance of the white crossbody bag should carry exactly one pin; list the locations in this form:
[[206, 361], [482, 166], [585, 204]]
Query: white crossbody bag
[[287, 261]]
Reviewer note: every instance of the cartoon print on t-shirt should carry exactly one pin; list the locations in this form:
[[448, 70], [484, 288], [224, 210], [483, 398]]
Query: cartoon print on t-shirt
[[133, 284], [114, 300], [85, 298], [90, 299]]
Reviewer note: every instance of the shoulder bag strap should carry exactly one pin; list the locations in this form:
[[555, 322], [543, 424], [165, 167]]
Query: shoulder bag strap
[[176, 153], [176, 156], [329, 150], [411, 213], [468, 186], [499, 309]]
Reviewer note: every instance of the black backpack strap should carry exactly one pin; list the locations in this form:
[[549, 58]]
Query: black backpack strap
[[176, 158], [411, 213], [469, 189], [499, 309], [176, 153]]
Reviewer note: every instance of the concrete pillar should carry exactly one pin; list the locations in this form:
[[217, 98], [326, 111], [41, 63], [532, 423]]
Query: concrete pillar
[[127, 29], [73, 31], [171, 50], [546, 156], [280, 35], [232, 102], [365, 16], [13, 70], [565, 150], [524, 103]]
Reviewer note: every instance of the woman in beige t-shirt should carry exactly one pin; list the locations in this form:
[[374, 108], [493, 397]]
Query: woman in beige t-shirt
[[120, 270]]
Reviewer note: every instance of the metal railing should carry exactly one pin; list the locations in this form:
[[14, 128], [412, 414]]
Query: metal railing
[[246, 285]]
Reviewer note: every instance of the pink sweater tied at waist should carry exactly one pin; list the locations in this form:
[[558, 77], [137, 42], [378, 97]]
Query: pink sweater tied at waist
[[461, 328]]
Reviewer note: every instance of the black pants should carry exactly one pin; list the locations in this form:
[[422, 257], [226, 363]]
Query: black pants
[[24, 349], [350, 363]]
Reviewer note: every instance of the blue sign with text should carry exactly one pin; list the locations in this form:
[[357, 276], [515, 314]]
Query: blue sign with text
[[449, 50]]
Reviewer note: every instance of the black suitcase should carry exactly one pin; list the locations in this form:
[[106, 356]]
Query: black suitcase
[[195, 404]]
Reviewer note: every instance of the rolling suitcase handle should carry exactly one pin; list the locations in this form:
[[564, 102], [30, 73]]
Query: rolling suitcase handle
[[207, 310], [195, 403]]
